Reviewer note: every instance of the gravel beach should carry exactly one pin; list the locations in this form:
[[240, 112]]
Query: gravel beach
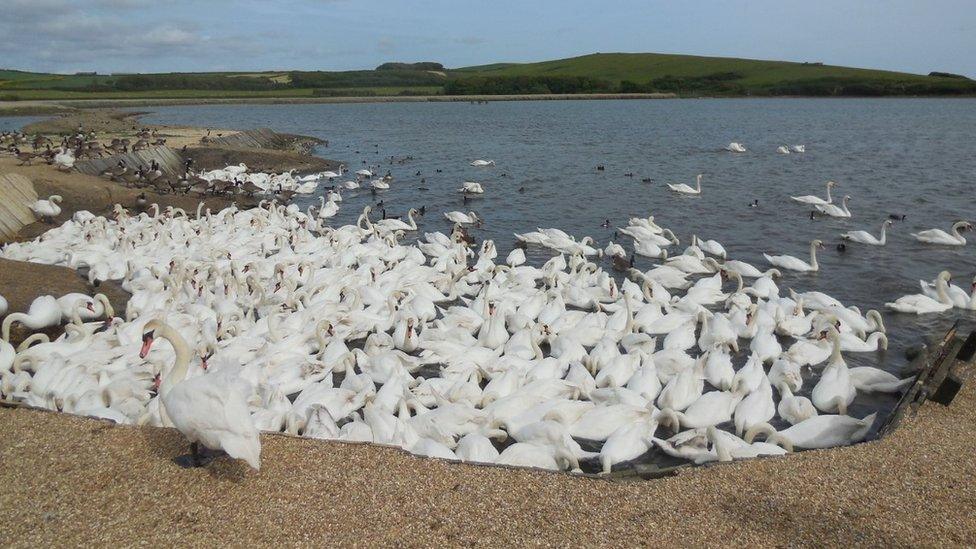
[[75, 481]]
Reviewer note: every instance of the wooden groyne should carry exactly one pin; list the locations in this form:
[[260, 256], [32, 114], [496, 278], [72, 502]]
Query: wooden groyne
[[170, 162], [16, 195]]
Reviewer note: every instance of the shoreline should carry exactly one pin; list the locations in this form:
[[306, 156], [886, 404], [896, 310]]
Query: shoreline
[[44, 107]]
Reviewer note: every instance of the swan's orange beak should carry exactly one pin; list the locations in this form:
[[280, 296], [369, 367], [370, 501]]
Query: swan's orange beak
[[147, 341]]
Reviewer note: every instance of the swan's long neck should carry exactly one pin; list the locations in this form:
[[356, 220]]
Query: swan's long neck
[[884, 236], [940, 287], [956, 234], [698, 183], [813, 256], [829, 200], [178, 372], [835, 356]]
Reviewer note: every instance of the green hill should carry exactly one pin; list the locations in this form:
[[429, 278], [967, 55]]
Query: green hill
[[684, 75], [689, 74]]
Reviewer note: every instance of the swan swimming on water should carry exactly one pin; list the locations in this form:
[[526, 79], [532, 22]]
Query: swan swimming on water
[[796, 264], [684, 188], [482, 163], [938, 236], [834, 210], [923, 304], [865, 237], [815, 200], [735, 147]]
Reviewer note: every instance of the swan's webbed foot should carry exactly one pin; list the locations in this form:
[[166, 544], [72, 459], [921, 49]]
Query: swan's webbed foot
[[200, 456]]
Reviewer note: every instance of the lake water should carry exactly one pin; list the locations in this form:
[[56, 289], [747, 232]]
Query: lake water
[[892, 156]]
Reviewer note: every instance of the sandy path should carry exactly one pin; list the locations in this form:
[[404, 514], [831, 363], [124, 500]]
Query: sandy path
[[70, 480]]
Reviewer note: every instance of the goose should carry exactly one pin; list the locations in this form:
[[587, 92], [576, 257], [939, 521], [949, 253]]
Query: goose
[[923, 304], [816, 200], [735, 147], [482, 163], [211, 409], [43, 312], [47, 209], [822, 431], [834, 210], [834, 392], [684, 188], [956, 294], [462, 218], [938, 236], [795, 264], [865, 237]]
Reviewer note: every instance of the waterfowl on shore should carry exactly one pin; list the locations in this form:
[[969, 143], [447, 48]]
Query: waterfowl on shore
[[47, 209], [210, 409]]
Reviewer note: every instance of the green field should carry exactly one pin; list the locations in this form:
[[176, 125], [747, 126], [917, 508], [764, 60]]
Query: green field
[[683, 75]]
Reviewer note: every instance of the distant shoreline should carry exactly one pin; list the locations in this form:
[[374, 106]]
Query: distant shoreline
[[41, 107], [53, 106]]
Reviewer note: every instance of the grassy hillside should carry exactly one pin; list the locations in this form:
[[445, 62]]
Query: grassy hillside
[[689, 74], [685, 75]]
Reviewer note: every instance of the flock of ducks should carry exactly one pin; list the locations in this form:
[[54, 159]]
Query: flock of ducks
[[275, 321]]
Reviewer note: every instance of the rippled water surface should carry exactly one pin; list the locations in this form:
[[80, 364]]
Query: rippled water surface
[[892, 156]]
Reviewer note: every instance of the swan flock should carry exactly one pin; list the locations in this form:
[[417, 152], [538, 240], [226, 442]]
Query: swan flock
[[269, 319]]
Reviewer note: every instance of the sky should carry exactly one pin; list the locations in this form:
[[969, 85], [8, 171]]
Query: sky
[[217, 35]]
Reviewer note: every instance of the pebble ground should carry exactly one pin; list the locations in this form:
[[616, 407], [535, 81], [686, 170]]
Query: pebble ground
[[73, 481]]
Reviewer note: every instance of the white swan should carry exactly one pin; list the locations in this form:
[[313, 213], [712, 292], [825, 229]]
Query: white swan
[[783, 149], [865, 237], [815, 200], [817, 432], [684, 188], [210, 409], [47, 209], [735, 147], [923, 304], [834, 210], [43, 312], [799, 148], [470, 187], [834, 392], [796, 264], [938, 236], [462, 218], [956, 294], [482, 163]]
